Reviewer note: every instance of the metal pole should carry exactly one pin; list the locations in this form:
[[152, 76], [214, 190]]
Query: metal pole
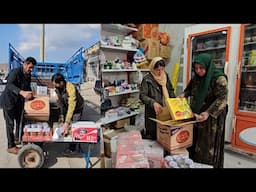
[[42, 56]]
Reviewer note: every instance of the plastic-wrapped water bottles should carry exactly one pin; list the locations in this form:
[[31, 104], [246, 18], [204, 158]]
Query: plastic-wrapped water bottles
[[179, 161]]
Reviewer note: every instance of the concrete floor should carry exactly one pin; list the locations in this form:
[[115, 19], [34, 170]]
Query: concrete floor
[[236, 158]]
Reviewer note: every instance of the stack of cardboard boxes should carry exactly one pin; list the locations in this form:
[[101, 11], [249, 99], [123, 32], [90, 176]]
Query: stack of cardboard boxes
[[35, 111], [153, 42]]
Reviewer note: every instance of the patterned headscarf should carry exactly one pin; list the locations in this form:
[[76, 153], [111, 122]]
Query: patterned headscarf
[[206, 61]]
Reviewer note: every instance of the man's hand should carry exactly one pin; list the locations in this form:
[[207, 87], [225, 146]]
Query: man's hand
[[65, 128], [26, 94], [61, 119]]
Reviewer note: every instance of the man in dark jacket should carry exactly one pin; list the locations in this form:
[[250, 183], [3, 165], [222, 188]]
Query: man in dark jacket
[[16, 91]]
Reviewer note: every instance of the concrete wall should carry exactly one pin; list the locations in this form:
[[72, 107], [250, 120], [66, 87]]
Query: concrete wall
[[176, 32]]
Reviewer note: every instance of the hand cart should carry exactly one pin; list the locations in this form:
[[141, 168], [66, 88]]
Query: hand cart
[[32, 154]]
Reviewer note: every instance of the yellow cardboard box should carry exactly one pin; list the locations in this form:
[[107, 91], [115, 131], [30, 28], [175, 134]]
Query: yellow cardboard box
[[179, 108]]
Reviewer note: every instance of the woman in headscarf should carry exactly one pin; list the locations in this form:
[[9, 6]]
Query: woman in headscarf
[[208, 91], [155, 88]]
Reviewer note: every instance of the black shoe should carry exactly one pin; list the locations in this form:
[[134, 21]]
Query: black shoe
[[17, 142], [69, 152]]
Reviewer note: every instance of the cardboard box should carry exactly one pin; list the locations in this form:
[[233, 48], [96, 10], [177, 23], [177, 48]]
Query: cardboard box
[[173, 134], [164, 51], [172, 138], [121, 123], [110, 139], [147, 31], [37, 109], [150, 47], [179, 108], [181, 151]]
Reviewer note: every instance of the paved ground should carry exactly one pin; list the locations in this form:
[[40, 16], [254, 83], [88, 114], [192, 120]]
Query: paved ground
[[54, 159]]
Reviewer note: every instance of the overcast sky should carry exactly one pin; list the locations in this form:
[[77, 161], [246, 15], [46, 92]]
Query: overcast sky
[[61, 40]]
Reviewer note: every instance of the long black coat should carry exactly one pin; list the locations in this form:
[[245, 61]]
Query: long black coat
[[208, 141], [16, 82], [150, 92]]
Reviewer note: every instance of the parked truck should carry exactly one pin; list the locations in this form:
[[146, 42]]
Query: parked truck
[[43, 71]]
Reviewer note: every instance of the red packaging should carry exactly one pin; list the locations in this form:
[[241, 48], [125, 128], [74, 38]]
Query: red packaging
[[85, 131]]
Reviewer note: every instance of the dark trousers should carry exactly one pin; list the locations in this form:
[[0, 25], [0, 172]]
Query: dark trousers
[[12, 117]]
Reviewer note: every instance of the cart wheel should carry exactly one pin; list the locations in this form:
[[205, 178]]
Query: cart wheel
[[31, 156]]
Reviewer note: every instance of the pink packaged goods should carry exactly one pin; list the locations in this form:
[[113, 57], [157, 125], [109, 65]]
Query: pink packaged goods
[[85, 131], [132, 161]]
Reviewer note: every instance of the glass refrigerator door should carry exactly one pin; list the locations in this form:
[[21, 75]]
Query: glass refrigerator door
[[213, 43], [247, 94]]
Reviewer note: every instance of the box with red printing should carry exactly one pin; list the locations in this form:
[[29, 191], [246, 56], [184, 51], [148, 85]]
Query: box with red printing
[[173, 134], [85, 131], [172, 138], [37, 109]]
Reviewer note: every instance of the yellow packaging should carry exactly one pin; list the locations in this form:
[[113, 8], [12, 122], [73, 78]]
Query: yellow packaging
[[179, 108]]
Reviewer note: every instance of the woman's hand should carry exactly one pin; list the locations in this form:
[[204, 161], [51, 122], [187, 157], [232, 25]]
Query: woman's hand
[[157, 107], [202, 117], [182, 95]]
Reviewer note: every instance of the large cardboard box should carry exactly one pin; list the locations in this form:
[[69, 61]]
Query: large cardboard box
[[173, 134], [37, 109], [174, 137]]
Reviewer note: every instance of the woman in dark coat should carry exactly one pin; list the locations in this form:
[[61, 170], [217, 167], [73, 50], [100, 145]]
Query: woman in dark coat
[[208, 91], [155, 88]]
